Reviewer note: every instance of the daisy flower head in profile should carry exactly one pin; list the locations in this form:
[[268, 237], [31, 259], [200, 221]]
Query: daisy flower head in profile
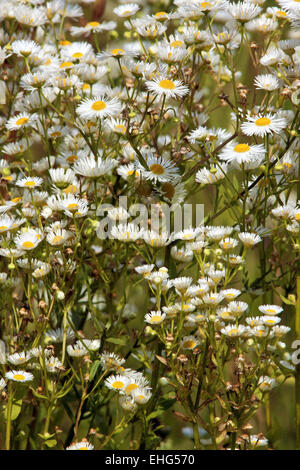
[[82, 445], [260, 125], [266, 82], [25, 48], [99, 107], [164, 86], [128, 9], [155, 317], [249, 239], [19, 376], [29, 182]]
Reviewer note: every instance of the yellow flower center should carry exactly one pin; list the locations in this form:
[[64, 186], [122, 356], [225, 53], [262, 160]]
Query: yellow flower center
[[234, 331], [93, 24], [56, 134], [19, 377], [263, 121], [16, 199], [22, 121], [177, 43], [205, 4], [72, 158], [66, 64], [270, 310], [155, 319], [73, 206], [98, 106], [157, 169], [240, 148], [57, 239], [29, 183], [3, 227], [83, 448], [64, 43], [167, 84], [160, 14], [131, 387], [86, 86], [28, 244], [117, 51], [71, 189], [190, 344], [118, 384], [77, 55]]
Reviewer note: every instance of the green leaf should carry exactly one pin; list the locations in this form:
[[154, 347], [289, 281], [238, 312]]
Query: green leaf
[[15, 410], [94, 368], [119, 341], [51, 443]]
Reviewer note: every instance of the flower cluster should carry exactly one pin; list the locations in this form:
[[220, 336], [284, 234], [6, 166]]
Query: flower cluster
[[194, 104]]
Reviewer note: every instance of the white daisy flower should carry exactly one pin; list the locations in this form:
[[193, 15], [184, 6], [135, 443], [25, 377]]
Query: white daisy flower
[[99, 107], [169, 88], [141, 395], [155, 317], [20, 121], [159, 169], [266, 82], [53, 364], [28, 240], [29, 182], [270, 309], [233, 331], [212, 176], [261, 125], [249, 239], [58, 237], [129, 9], [57, 335], [126, 232], [92, 168], [189, 342], [25, 48], [19, 376], [18, 358], [116, 382], [266, 383], [243, 12], [77, 350], [155, 239], [82, 445], [243, 155]]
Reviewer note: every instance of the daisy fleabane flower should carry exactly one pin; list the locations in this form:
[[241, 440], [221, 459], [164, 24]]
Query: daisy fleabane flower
[[28, 240], [129, 9], [99, 107], [20, 121], [261, 124], [29, 182], [19, 376], [266, 82], [82, 445], [249, 239], [155, 317], [160, 169], [167, 87]]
